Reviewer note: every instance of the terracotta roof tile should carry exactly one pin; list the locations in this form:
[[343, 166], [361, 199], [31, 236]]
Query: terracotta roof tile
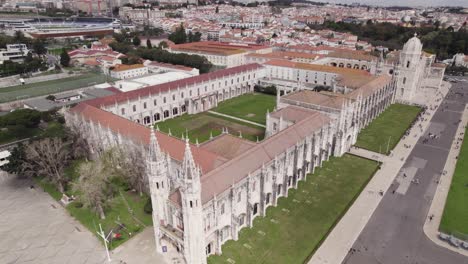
[[155, 89], [141, 134]]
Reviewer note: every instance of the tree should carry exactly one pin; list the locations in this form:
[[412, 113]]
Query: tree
[[47, 157], [148, 44], [120, 47], [15, 161], [93, 185], [38, 47], [132, 167], [64, 58], [162, 45], [178, 36], [197, 37], [190, 37], [136, 41]]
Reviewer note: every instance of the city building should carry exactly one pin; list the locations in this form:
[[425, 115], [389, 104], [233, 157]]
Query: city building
[[14, 52], [123, 71], [221, 54]]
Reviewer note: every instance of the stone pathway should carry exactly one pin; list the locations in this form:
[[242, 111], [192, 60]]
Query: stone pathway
[[35, 229], [431, 227], [367, 154], [236, 118], [338, 243], [141, 249]]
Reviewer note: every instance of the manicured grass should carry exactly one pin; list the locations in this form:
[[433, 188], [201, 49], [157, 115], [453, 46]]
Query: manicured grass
[[252, 107], [200, 126], [390, 126], [455, 217], [292, 231], [116, 211], [49, 188], [125, 207], [49, 87]]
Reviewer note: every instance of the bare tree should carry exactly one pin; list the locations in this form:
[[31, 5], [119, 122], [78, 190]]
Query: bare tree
[[93, 185], [131, 165], [48, 157]]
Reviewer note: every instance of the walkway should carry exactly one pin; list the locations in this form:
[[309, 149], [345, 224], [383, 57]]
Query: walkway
[[431, 228], [238, 119], [34, 228], [394, 233], [367, 154], [341, 239]]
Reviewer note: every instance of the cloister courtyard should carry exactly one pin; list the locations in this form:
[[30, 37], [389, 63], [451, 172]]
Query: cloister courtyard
[[249, 107]]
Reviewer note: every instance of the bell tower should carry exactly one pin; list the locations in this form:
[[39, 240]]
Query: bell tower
[[157, 170], [192, 210], [409, 70]]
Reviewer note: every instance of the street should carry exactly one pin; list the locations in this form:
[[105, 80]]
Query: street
[[394, 234]]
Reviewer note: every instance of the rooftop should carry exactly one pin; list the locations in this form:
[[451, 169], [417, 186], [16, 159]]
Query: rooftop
[[125, 67], [156, 89]]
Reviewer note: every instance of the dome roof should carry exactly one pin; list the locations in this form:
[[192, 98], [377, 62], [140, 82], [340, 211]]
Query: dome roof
[[413, 45]]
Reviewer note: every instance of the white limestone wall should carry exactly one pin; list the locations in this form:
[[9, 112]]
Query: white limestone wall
[[159, 107]]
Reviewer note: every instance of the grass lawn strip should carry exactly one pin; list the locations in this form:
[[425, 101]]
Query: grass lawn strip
[[455, 217], [292, 231], [117, 210], [252, 107], [388, 128], [199, 126], [49, 87]]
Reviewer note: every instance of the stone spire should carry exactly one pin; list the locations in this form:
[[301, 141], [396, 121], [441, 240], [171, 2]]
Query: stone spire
[[154, 150], [157, 171], [192, 212], [189, 168]]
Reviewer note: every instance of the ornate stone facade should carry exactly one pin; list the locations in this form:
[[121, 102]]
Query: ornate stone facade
[[204, 194]]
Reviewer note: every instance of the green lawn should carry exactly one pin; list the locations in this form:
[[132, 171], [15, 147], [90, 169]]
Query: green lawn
[[455, 217], [117, 209], [390, 126], [49, 87], [201, 125], [252, 107], [293, 230]]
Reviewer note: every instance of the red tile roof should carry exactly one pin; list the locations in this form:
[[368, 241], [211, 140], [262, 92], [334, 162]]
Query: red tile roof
[[141, 134], [156, 89], [221, 178]]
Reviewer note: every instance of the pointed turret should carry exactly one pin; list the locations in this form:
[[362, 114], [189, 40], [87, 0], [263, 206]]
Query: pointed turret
[[194, 236], [157, 170], [154, 150]]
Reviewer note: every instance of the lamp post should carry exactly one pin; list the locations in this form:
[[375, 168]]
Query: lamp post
[[104, 238]]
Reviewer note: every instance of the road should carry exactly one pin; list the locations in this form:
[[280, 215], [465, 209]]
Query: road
[[395, 233]]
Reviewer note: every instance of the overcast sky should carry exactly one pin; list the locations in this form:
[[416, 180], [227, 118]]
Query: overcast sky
[[404, 2]]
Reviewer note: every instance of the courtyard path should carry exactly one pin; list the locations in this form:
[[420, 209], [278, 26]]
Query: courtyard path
[[431, 228], [340, 240], [236, 118]]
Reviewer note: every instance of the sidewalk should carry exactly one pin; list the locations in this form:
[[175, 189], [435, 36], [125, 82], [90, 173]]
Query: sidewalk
[[338, 243], [431, 228], [367, 154], [236, 118]]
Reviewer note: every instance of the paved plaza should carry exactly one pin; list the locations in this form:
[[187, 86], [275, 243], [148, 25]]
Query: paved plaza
[[34, 228], [395, 233]]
